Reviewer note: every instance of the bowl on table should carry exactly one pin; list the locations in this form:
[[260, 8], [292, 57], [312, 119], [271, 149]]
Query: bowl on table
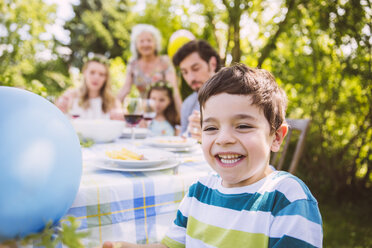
[[99, 130]]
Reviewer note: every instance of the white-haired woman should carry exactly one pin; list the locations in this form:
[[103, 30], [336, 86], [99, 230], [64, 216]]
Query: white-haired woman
[[147, 66]]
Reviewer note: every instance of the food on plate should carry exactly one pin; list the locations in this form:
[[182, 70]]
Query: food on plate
[[172, 141], [124, 154]]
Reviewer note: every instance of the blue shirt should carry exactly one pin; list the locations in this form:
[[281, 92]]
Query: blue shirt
[[161, 128], [190, 104]]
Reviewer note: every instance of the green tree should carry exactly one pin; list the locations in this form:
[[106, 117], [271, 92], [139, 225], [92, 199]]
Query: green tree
[[28, 55], [324, 63], [100, 27], [229, 43]]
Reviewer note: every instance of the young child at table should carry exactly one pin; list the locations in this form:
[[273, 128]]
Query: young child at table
[[248, 204], [161, 94], [94, 98]]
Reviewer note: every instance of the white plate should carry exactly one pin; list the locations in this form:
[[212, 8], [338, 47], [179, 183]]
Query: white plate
[[183, 149], [153, 157], [170, 142], [139, 133], [115, 167]]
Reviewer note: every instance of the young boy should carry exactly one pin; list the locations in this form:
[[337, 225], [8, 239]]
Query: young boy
[[248, 204]]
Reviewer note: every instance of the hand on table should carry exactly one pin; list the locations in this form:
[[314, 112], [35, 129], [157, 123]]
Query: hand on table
[[116, 115], [194, 127], [109, 244]]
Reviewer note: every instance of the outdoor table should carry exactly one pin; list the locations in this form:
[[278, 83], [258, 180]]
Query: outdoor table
[[136, 207]]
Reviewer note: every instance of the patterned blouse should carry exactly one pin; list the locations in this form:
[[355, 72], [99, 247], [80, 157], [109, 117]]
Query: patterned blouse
[[142, 80]]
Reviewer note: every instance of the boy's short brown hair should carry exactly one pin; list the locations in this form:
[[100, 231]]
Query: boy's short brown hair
[[258, 83]]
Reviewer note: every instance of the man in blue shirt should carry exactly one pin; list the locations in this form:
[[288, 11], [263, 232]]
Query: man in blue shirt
[[198, 62]]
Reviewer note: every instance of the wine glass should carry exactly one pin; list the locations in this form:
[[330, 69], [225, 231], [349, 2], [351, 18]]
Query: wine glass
[[149, 111], [133, 112]]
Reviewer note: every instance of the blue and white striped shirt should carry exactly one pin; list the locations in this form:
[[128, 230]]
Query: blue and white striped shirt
[[277, 211]]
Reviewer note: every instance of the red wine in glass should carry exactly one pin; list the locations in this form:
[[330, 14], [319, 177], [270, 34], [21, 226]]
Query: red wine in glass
[[149, 116], [133, 119]]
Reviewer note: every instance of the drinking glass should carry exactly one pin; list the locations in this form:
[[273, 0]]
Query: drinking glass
[[148, 111], [133, 112]]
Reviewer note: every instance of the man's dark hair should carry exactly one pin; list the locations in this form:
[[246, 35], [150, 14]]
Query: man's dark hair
[[203, 48], [258, 83]]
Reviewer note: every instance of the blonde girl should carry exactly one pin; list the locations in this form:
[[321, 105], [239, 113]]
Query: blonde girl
[[94, 99]]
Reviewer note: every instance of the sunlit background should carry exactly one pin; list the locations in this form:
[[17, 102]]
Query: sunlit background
[[319, 51]]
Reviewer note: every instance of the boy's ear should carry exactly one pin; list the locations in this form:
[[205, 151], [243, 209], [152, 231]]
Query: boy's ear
[[212, 63], [279, 137]]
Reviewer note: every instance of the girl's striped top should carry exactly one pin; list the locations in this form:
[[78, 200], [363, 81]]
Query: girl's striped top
[[277, 211]]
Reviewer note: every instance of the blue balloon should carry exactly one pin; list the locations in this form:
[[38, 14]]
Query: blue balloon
[[40, 163]]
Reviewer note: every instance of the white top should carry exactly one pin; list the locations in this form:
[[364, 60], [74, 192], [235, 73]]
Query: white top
[[93, 112]]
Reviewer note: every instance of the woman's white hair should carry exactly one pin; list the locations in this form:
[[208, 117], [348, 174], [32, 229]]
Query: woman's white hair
[[139, 29]]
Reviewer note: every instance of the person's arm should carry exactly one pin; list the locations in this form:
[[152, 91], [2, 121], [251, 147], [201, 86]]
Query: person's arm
[[194, 127], [64, 102], [125, 89], [184, 116], [116, 113], [108, 244], [170, 76]]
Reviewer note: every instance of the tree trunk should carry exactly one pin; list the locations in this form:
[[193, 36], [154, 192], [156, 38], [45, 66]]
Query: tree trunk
[[236, 52], [211, 20], [235, 13], [223, 60], [271, 44]]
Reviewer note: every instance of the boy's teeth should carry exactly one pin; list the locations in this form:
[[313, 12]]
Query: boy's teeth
[[229, 161], [230, 158]]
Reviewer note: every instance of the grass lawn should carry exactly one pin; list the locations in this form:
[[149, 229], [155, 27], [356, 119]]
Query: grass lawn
[[347, 224]]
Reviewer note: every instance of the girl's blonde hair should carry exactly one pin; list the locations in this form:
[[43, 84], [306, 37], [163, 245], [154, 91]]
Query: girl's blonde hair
[[108, 99]]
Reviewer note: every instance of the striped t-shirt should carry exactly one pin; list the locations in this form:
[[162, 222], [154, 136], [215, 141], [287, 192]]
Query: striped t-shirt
[[277, 211]]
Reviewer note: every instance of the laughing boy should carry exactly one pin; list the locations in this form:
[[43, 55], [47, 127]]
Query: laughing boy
[[247, 203]]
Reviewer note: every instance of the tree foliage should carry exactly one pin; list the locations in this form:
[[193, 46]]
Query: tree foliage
[[324, 62], [28, 56], [100, 27]]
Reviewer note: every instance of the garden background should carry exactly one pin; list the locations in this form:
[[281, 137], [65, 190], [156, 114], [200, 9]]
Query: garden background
[[320, 51]]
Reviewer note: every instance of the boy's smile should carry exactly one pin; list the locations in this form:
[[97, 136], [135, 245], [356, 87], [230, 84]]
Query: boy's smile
[[236, 139], [229, 159]]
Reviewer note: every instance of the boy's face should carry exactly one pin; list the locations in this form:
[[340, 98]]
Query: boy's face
[[236, 139], [197, 71]]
